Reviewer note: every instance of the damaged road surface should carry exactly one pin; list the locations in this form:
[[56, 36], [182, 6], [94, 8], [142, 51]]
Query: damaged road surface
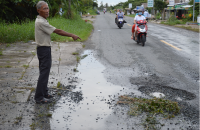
[[88, 85]]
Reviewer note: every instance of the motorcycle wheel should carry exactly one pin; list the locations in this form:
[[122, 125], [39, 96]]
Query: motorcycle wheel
[[119, 26], [143, 40]]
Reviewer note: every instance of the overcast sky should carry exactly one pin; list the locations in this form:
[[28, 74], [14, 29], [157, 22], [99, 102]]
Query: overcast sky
[[111, 2]]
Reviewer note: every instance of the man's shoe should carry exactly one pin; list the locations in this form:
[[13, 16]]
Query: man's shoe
[[48, 96], [43, 101]]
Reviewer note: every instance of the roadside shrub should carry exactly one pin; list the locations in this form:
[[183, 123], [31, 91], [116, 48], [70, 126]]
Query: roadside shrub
[[158, 15], [177, 22], [91, 11]]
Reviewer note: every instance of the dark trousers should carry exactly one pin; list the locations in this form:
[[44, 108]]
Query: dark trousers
[[44, 57]]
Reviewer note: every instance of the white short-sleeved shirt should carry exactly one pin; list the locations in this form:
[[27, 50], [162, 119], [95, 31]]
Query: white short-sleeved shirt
[[146, 14], [138, 18], [43, 31]]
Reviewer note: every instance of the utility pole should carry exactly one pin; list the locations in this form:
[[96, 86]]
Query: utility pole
[[193, 9]]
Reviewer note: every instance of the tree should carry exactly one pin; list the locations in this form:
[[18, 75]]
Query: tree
[[159, 5], [106, 5], [17, 10], [196, 13], [101, 5]]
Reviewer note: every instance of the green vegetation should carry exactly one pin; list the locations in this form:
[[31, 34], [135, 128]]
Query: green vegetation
[[189, 28], [49, 115], [22, 75], [8, 66], [25, 66], [33, 126], [78, 58], [153, 107], [83, 46], [33, 53], [75, 70], [18, 119], [158, 16], [21, 10], [7, 45], [77, 26], [58, 84], [14, 102], [75, 53], [16, 32], [25, 31], [59, 93], [1, 52], [172, 21], [91, 11], [82, 57]]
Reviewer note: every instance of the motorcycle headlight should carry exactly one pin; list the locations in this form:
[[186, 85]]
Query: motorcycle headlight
[[120, 20], [142, 30]]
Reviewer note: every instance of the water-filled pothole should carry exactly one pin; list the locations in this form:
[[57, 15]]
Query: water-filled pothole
[[169, 92], [89, 105]]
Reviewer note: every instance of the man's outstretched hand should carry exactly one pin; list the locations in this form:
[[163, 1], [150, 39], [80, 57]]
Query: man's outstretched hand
[[76, 37], [63, 33]]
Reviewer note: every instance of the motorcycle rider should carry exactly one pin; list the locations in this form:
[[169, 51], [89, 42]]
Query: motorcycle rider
[[137, 18], [119, 14]]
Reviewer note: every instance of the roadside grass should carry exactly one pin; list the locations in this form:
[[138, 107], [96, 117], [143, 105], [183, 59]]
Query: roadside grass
[[152, 107], [178, 23], [189, 28], [10, 33], [173, 22], [78, 27]]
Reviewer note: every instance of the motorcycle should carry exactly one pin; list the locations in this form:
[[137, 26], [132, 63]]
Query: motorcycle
[[141, 32], [120, 22]]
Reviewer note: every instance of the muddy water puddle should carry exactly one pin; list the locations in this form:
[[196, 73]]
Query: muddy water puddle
[[93, 109]]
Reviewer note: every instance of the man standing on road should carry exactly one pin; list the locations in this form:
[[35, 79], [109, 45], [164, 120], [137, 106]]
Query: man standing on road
[[43, 40]]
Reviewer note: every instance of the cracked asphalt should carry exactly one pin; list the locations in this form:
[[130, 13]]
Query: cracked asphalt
[[111, 65]]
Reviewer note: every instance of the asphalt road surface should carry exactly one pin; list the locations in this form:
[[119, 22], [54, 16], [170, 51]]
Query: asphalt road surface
[[168, 63], [116, 65]]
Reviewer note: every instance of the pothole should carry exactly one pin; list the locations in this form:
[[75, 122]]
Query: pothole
[[168, 92]]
